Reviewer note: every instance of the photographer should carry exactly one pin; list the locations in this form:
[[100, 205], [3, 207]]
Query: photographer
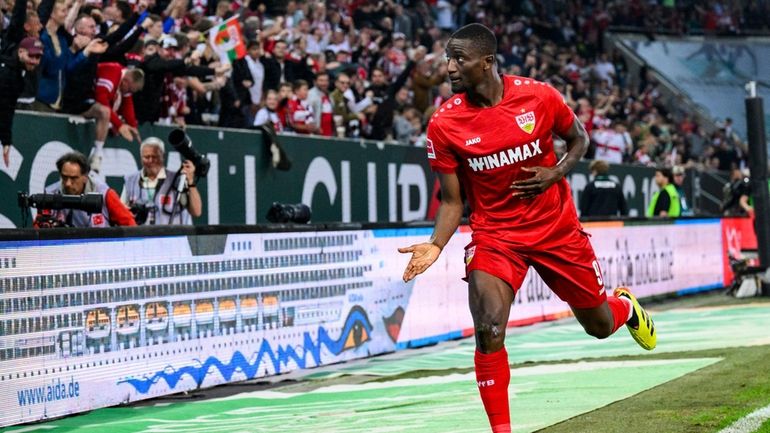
[[73, 169], [156, 198], [737, 194]]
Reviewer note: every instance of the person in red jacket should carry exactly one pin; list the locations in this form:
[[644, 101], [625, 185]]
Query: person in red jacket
[[300, 113], [115, 85]]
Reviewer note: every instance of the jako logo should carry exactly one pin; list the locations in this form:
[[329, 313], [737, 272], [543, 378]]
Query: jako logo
[[471, 141], [486, 383]]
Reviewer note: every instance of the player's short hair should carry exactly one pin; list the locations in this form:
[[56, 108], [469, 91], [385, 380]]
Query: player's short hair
[[599, 166], [74, 158], [484, 41]]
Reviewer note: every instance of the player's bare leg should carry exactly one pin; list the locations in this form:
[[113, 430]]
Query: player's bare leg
[[600, 322], [490, 300]]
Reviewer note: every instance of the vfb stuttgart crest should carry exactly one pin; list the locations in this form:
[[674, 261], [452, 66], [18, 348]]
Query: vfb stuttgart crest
[[526, 121]]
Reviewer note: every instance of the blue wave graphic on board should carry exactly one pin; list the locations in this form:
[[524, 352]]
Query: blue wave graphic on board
[[357, 330]]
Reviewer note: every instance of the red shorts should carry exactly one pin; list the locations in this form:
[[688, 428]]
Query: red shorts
[[568, 265]]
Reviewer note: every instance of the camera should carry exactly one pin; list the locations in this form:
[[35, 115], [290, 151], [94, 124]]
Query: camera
[[143, 210], [182, 143], [284, 213], [731, 194], [89, 203]]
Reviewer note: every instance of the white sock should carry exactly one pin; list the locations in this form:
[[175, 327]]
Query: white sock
[[99, 145], [630, 307]]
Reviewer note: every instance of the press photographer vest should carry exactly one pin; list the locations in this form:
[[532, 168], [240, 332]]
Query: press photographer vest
[[79, 218], [674, 207], [164, 200]]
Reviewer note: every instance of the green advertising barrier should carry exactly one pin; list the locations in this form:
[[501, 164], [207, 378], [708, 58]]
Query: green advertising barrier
[[341, 180]]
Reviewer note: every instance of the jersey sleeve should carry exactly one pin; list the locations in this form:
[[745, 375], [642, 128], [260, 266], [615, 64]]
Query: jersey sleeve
[[563, 117], [440, 158]]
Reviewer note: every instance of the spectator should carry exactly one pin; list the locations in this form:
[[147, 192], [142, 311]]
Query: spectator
[[58, 59], [73, 169], [602, 196], [679, 176], [248, 78], [612, 144], [407, 127], [155, 197], [155, 31], [80, 97], [158, 62], [350, 120], [230, 113], [14, 65], [300, 113], [444, 93], [115, 87], [425, 78], [268, 113], [394, 98], [321, 105], [402, 22], [280, 69], [665, 202], [11, 38]]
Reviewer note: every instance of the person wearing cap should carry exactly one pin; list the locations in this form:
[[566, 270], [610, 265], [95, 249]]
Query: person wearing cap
[[19, 56], [679, 176], [13, 68], [603, 196]]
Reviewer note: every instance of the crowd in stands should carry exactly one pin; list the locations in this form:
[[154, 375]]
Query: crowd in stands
[[359, 68]]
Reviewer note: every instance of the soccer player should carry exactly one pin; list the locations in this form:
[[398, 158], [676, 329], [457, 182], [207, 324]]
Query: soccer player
[[494, 137]]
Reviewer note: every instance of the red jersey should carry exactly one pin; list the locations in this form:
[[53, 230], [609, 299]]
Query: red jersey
[[299, 112], [487, 148], [327, 116], [107, 92]]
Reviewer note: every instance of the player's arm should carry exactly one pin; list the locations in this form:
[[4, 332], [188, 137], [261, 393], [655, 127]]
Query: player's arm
[[543, 177], [577, 144], [448, 217]]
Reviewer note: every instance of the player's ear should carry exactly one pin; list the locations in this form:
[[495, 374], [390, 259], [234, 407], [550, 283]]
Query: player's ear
[[489, 61]]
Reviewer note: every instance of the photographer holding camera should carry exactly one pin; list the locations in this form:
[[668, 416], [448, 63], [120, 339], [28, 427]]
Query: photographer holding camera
[[156, 198], [73, 169]]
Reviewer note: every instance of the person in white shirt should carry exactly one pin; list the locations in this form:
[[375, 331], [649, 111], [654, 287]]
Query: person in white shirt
[[249, 77], [268, 112], [604, 69], [612, 144]]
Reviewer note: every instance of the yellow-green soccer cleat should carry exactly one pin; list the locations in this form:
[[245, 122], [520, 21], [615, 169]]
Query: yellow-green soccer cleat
[[640, 324]]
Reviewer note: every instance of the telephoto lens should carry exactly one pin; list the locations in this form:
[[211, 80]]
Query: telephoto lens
[[289, 213], [182, 143]]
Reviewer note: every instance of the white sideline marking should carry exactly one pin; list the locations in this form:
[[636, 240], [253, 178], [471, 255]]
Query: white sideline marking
[[750, 422]]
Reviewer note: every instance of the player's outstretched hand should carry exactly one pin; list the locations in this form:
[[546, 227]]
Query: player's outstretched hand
[[543, 178], [423, 255]]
